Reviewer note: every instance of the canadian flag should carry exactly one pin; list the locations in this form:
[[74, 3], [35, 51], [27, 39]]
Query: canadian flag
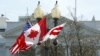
[[53, 33], [36, 34], [29, 37]]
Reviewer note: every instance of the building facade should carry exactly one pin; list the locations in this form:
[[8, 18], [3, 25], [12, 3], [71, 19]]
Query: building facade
[[90, 31]]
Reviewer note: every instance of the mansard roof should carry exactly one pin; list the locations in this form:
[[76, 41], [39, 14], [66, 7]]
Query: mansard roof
[[92, 24]]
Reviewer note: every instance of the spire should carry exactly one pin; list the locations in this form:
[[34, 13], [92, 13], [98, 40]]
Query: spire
[[55, 11], [38, 13], [27, 15], [93, 18], [38, 3], [56, 2]]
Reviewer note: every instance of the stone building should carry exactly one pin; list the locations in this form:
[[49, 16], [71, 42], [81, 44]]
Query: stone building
[[90, 32]]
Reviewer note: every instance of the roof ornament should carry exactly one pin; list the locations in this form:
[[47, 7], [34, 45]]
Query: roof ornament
[[56, 2], [93, 18], [38, 3], [2, 15]]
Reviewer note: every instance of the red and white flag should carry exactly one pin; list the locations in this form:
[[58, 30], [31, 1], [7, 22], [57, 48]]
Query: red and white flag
[[29, 37], [36, 33], [20, 44], [53, 33]]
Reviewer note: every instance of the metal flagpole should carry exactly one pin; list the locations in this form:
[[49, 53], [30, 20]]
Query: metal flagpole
[[77, 32], [56, 15]]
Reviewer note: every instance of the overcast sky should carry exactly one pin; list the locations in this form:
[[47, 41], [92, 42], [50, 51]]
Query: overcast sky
[[86, 9]]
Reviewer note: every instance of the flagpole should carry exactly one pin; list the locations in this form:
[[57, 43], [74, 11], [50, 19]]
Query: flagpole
[[75, 9], [56, 15], [77, 31]]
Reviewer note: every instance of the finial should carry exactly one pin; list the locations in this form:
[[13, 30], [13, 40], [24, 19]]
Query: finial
[[2, 15], [93, 18], [56, 2], [38, 2]]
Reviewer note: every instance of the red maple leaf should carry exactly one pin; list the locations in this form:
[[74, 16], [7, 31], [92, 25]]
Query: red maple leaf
[[33, 34]]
